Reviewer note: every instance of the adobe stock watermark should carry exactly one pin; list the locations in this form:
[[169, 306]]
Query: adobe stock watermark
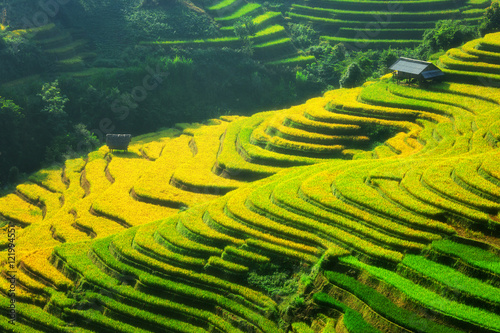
[[11, 273], [49, 10]]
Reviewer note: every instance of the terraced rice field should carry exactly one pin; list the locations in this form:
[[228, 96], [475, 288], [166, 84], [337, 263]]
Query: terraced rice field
[[380, 24], [359, 25], [386, 198], [270, 41]]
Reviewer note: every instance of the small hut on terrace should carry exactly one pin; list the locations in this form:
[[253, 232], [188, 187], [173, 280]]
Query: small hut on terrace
[[118, 141], [415, 70]]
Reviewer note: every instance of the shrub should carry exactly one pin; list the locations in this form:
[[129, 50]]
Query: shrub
[[351, 77], [446, 34], [274, 279], [491, 19], [302, 35]]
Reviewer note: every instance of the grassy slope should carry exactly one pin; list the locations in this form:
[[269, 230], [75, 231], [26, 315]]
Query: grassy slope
[[111, 223]]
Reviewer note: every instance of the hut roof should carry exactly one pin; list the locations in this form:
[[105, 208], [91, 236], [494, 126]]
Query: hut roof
[[118, 141], [416, 67]]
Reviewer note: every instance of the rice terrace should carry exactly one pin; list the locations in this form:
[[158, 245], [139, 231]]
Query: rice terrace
[[368, 208]]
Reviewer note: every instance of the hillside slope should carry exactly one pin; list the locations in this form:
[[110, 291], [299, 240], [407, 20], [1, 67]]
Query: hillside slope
[[398, 238]]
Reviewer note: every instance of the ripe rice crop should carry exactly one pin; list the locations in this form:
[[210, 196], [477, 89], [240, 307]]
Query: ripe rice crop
[[50, 179], [466, 173], [314, 189], [438, 177], [387, 220], [294, 134], [238, 255], [95, 175], [116, 201], [335, 226], [220, 221], [378, 94], [154, 184], [145, 242], [412, 183], [474, 48], [260, 155], [368, 198], [491, 167], [229, 159], [19, 211], [393, 191], [84, 266], [383, 151], [192, 226], [38, 263], [301, 122], [472, 106], [399, 146], [491, 43], [448, 62], [478, 92], [36, 194], [236, 207], [273, 250], [168, 236], [121, 247], [196, 173]]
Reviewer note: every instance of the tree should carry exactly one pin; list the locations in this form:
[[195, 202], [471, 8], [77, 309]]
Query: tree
[[302, 35], [446, 34], [491, 19], [54, 99], [339, 52], [244, 29], [352, 77]]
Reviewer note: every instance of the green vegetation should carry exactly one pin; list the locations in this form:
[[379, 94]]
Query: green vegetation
[[352, 320], [384, 306], [429, 299], [373, 208], [469, 254], [453, 279]]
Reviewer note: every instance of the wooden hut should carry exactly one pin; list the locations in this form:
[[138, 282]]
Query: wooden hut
[[415, 70], [118, 141]]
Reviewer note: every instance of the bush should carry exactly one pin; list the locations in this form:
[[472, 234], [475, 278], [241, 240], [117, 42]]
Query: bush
[[352, 77], [446, 34], [491, 19], [273, 279], [302, 35]]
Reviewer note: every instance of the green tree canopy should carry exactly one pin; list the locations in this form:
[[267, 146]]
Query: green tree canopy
[[491, 20], [351, 77], [54, 99]]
